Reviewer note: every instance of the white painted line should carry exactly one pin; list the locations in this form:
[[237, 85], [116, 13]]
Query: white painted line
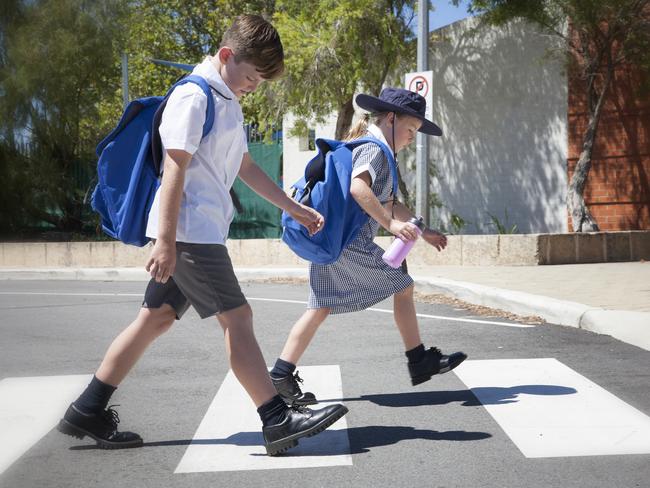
[[299, 302], [63, 294], [278, 300], [229, 437], [549, 410], [422, 315], [460, 319], [30, 407]]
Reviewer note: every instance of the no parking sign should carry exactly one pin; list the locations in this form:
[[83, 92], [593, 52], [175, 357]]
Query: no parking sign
[[422, 83]]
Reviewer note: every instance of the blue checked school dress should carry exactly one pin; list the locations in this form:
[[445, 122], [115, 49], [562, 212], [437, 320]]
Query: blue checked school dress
[[360, 278]]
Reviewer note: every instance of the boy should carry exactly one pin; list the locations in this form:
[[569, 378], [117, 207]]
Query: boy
[[189, 263]]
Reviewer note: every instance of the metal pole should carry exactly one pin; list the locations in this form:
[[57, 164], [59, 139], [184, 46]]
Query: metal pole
[[422, 141], [170, 64], [125, 79]]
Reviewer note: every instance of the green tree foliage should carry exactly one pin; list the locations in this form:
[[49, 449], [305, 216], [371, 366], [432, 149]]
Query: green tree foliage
[[182, 31], [60, 79], [603, 35], [58, 56], [334, 49]]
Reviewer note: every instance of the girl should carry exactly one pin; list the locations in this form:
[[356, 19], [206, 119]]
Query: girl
[[360, 278]]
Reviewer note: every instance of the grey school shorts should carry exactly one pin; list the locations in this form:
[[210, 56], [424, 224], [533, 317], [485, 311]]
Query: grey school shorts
[[203, 278]]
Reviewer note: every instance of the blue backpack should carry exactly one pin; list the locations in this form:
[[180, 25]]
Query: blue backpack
[[326, 188], [129, 163]]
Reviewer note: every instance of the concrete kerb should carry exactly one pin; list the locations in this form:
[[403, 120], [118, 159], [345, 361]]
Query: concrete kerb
[[134, 274], [630, 327]]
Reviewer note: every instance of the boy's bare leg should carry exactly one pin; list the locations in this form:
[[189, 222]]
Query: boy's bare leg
[[302, 333], [282, 426], [244, 353], [406, 319], [88, 415], [131, 343]]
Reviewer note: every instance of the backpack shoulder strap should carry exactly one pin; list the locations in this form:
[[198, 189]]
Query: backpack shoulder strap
[[207, 90], [387, 152], [209, 118], [156, 144]]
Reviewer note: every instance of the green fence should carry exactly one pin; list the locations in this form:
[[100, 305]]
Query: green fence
[[260, 219]]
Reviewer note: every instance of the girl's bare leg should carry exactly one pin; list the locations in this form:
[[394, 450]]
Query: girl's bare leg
[[405, 318], [302, 333]]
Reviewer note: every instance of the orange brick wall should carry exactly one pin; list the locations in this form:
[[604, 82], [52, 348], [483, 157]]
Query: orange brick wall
[[618, 187]]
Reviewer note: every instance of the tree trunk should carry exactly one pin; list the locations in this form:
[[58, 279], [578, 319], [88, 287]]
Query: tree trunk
[[581, 218], [344, 119]]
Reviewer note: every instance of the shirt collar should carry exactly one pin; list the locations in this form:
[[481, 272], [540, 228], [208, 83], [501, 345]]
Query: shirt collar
[[208, 70], [376, 132]]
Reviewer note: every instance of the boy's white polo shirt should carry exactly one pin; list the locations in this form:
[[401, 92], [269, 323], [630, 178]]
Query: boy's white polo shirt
[[206, 206]]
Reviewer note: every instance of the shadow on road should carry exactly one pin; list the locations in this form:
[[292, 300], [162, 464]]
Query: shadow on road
[[491, 395], [361, 440]]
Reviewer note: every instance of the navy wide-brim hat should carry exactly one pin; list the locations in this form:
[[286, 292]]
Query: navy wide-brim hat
[[400, 101]]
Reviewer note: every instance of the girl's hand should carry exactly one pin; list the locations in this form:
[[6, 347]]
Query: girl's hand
[[308, 217], [404, 230], [435, 238]]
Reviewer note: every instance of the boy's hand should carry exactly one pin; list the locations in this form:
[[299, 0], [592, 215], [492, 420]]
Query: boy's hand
[[404, 230], [162, 261], [435, 238], [308, 217]]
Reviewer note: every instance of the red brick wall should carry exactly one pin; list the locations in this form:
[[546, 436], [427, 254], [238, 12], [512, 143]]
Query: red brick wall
[[618, 188]]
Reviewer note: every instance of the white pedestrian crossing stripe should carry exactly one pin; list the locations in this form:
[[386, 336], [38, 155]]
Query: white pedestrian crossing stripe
[[229, 437], [30, 407], [546, 409], [549, 410]]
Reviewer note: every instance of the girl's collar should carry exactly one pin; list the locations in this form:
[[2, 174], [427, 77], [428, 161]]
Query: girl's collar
[[376, 132]]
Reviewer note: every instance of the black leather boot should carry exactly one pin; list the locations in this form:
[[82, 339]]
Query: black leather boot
[[101, 426], [289, 389], [434, 362], [297, 423]]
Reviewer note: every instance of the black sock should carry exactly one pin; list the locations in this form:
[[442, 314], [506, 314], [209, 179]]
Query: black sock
[[282, 368], [273, 411], [416, 354], [95, 397]]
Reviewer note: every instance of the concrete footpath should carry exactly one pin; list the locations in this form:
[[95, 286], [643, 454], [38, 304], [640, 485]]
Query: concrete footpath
[[607, 298]]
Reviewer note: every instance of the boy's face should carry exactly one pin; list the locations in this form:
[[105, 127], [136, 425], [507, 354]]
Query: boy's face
[[405, 130], [241, 78]]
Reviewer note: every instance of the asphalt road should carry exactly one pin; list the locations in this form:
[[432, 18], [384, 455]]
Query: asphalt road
[[438, 434]]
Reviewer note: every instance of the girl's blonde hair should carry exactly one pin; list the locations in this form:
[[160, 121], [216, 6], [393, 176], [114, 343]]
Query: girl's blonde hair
[[361, 126]]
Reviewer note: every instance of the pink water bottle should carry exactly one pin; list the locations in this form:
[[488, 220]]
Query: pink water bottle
[[398, 250]]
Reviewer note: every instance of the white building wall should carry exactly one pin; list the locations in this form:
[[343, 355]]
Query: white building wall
[[503, 110], [502, 106], [294, 158]]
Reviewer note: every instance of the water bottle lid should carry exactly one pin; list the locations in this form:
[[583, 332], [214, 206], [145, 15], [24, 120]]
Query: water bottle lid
[[419, 221]]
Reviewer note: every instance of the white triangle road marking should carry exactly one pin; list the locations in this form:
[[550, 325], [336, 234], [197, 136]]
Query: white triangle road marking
[[30, 407], [549, 410]]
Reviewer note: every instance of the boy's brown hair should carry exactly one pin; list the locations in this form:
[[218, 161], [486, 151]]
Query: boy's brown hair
[[255, 41]]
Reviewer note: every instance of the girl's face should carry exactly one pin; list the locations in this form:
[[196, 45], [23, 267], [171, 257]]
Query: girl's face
[[406, 127]]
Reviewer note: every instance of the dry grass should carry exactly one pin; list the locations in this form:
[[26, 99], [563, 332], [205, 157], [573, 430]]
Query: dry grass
[[479, 310]]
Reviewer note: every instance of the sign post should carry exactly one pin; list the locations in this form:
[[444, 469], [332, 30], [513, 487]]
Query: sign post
[[421, 83]]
